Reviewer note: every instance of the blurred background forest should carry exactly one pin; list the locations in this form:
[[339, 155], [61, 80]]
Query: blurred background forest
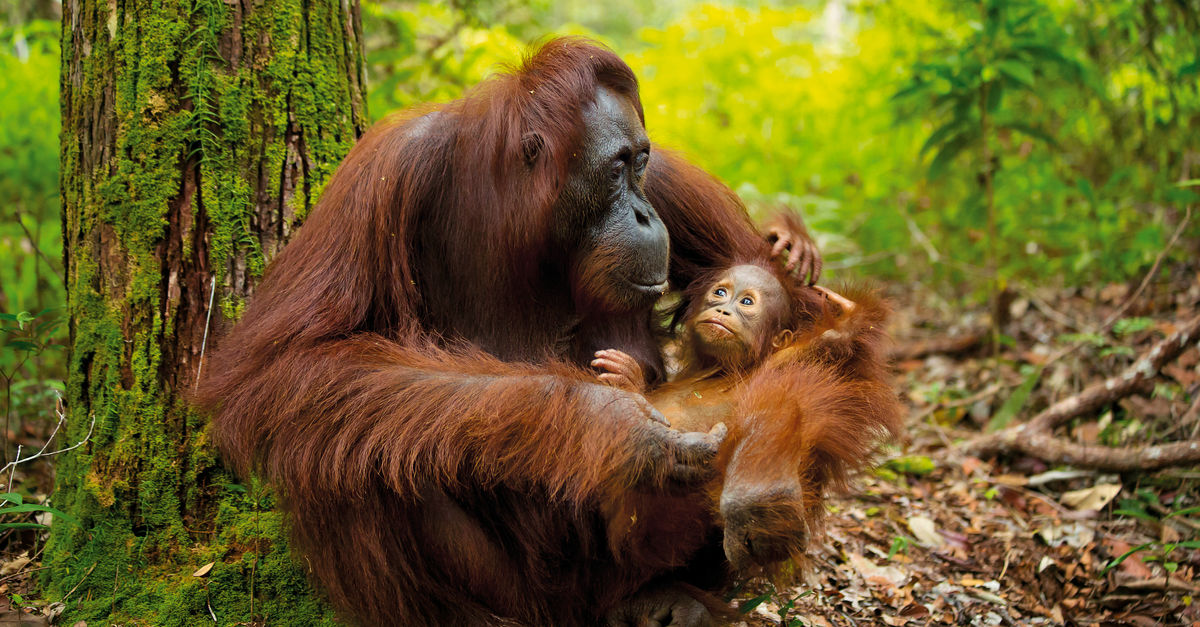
[[980, 159], [965, 150]]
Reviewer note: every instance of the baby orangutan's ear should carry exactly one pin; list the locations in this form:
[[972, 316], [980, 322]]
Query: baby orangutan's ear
[[783, 338]]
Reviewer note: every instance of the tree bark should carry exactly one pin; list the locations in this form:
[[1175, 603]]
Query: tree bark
[[196, 135]]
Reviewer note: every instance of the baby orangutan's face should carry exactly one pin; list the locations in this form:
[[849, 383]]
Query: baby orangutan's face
[[739, 316]]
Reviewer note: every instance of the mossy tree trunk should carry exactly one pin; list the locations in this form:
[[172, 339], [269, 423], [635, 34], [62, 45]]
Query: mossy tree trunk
[[196, 134]]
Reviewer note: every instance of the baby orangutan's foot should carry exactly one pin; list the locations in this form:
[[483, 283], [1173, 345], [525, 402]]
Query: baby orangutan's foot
[[622, 371]]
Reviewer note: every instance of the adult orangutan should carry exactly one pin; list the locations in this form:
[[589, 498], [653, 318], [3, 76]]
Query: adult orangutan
[[408, 372]]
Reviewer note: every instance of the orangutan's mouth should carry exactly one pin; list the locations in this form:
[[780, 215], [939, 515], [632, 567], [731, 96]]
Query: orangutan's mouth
[[650, 289], [717, 323]]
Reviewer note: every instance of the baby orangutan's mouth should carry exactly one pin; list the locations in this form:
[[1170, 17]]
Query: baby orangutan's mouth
[[718, 323]]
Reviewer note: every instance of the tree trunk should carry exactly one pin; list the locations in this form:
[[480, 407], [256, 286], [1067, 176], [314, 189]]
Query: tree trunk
[[196, 135]]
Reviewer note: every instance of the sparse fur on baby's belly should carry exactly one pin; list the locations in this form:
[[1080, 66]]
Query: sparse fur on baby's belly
[[695, 405]]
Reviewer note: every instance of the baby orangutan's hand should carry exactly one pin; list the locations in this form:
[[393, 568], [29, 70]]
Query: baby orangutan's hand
[[622, 371]]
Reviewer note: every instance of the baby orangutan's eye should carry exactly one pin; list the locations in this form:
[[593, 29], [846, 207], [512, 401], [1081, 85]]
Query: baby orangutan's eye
[[747, 301], [720, 291]]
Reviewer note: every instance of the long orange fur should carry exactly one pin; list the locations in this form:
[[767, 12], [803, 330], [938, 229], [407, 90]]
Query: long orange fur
[[409, 378]]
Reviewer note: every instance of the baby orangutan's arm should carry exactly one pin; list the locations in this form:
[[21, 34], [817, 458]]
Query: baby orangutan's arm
[[623, 371]]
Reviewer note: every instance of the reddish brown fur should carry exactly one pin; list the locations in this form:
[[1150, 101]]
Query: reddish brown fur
[[430, 479], [841, 407], [780, 459]]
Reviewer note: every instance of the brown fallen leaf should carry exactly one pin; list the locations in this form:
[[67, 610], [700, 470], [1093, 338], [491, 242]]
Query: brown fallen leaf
[[1011, 480], [1132, 566], [970, 465], [925, 530], [1185, 376], [1087, 433], [1091, 499], [15, 565], [890, 576]]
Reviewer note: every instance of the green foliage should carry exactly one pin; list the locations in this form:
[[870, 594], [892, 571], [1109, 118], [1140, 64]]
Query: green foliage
[[30, 235], [13, 503], [773, 104], [999, 61], [1016, 401], [917, 465], [798, 105], [1071, 200], [1143, 507], [27, 368], [1128, 326], [421, 52], [900, 544], [868, 118], [30, 242], [783, 600]]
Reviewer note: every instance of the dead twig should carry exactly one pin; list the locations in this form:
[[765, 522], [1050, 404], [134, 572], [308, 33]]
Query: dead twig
[[1162, 254], [1050, 312], [1192, 414], [212, 292], [22, 572], [33, 243], [62, 418], [77, 584], [1158, 584], [1116, 315], [988, 392], [1035, 438]]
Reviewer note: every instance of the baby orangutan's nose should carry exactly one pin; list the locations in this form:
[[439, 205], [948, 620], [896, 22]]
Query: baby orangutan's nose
[[762, 527]]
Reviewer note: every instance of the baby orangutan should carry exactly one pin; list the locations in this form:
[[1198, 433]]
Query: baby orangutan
[[743, 314], [744, 327]]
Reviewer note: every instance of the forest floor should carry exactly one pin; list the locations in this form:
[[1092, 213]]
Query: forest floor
[[937, 537]]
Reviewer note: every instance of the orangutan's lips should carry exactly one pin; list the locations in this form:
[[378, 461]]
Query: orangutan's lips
[[718, 323], [650, 289]]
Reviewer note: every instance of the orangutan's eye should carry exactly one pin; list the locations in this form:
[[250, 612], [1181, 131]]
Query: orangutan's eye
[[640, 161], [747, 301], [720, 292], [618, 168]]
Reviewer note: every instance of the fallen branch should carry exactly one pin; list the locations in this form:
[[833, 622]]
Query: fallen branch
[[1036, 437], [937, 345]]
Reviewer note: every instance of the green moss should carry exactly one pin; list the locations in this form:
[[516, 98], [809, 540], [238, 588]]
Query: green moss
[[148, 486]]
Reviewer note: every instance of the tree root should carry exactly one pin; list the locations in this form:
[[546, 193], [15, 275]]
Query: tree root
[[1036, 437]]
